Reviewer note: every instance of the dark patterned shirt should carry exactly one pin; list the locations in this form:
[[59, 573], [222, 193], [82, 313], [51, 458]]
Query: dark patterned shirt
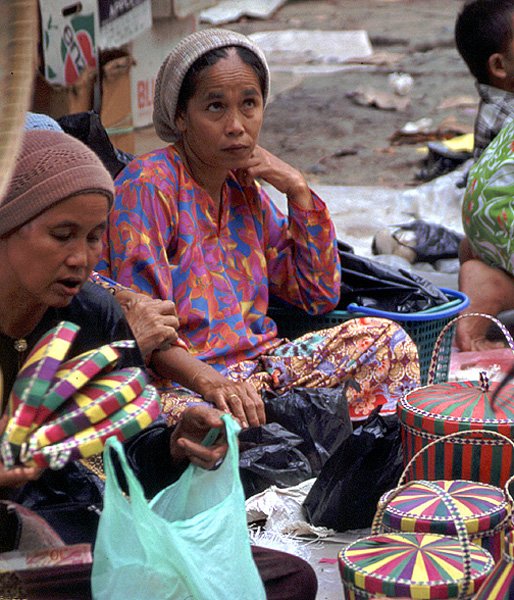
[[496, 110]]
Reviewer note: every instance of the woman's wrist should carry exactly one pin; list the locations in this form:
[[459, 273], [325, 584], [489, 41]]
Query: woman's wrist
[[300, 194], [200, 379]]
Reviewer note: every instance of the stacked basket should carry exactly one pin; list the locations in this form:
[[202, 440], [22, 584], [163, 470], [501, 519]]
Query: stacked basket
[[459, 430]]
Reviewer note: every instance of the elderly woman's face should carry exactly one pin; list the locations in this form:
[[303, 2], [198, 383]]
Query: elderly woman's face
[[223, 119], [48, 260]]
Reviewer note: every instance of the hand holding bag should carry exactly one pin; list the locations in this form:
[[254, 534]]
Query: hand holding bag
[[189, 542]]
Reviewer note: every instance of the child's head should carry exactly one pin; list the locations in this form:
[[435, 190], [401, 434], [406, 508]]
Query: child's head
[[484, 38]]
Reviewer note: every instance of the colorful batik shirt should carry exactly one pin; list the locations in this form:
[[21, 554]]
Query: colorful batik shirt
[[165, 240], [488, 204]]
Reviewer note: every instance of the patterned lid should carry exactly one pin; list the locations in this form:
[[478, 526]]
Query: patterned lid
[[413, 565], [458, 405], [419, 508]]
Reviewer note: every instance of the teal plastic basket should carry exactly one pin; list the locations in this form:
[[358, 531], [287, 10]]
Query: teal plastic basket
[[423, 327]]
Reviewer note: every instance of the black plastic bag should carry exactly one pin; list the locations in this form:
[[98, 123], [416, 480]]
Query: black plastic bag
[[431, 242], [366, 465], [319, 416], [269, 455], [87, 127], [441, 160], [369, 283]]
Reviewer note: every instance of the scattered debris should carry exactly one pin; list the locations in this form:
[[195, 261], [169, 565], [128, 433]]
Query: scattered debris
[[317, 169], [231, 10], [379, 59], [422, 125], [345, 152], [368, 96], [458, 102], [297, 46], [422, 131], [401, 83]]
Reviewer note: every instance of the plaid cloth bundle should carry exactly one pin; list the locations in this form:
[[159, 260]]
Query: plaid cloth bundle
[[62, 411]]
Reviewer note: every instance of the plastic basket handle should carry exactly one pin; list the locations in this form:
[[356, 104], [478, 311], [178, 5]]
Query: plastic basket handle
[[457, 434], [459, 302], [435, 353], [460, 526]]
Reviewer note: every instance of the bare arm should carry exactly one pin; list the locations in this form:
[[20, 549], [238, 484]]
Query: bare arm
[[241, 399]]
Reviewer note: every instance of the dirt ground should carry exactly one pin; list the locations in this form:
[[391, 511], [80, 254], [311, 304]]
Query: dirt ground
[[319, 129]]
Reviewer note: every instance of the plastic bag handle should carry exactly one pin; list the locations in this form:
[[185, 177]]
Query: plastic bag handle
[[460, 526], [457, 434], [437, 346], [135, 488], [232, 458]]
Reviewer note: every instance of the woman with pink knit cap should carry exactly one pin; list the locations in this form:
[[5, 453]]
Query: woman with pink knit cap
[[51, 222]]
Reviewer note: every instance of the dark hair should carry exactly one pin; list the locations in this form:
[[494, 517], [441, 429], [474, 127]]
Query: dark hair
[[190, 81], [483, 28]]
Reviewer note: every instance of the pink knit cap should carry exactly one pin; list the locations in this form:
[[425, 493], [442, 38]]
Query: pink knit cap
[[51, 166]]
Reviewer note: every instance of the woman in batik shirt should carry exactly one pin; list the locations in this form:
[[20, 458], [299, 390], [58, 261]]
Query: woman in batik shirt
[[191, 224]]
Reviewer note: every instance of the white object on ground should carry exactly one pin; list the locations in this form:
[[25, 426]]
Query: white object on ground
[[423, 125], [232, 10], [297, 46], [401, 83], [282, 509], [284, 543]]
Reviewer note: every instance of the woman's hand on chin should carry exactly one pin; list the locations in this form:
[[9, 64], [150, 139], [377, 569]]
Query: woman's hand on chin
[[282, 176]]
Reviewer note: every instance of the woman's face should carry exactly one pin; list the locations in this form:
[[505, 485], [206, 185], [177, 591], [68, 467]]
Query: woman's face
[[221, 124], [48, 259]]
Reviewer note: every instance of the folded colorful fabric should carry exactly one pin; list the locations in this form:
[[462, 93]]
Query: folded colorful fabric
[[62, 411]]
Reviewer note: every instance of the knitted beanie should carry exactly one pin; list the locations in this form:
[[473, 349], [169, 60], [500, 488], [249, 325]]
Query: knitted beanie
[[176, 65], [51, 166]]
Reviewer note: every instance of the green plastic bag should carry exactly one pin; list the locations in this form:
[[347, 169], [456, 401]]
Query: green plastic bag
[[189, 543]]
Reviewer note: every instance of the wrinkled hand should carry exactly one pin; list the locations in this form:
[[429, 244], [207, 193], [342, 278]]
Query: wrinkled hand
[[279, 174], [154, 323], [18, 476], [241, 399], [185, 441]]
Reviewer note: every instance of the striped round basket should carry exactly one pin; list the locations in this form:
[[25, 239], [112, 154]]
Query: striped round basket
[[412, 565], [499, 584], [466, 427]]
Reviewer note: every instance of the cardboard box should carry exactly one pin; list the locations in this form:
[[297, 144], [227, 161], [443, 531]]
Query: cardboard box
[[69, 39], [149, 51], [116, 109], [59, 100], [121, 22]]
